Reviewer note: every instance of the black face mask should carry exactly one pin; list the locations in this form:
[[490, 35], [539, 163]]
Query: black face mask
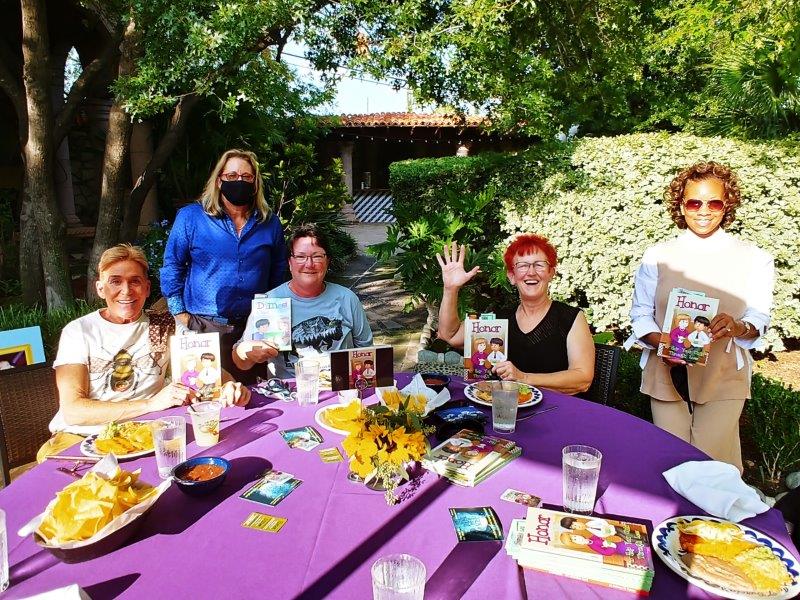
[[238, 193]]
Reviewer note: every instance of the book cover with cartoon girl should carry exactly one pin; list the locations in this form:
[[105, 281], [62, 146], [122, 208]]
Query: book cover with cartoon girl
[[270, 321], [685, 334], [361, 368], [195, 362], [485, 345], [616, 544]]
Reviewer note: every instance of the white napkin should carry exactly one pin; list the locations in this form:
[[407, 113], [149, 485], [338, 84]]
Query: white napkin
[[71, 592], [717, 488], [417, 386]]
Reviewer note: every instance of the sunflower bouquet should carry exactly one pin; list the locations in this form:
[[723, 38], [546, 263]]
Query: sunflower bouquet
[[383, 440]]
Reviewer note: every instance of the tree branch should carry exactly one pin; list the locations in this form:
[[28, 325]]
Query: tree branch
[[78, 90]]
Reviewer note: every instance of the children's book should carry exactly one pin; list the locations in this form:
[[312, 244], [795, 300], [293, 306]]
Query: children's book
[[614, 545], [638, 581], [270, 321], [467, 458], [195, 362], [686, 334], [361, 368], [485, 345]]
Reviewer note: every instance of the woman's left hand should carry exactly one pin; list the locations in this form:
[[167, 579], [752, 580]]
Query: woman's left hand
[[723, 326], [235, 394], [506, 370]]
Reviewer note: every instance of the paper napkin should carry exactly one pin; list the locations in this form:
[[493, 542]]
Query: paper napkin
[[717, 488]]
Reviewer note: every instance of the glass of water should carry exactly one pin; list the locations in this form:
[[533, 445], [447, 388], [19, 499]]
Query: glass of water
[[398, 577], [581, 468], [307, 379], [504, 409], [169, 439], [3, 553]]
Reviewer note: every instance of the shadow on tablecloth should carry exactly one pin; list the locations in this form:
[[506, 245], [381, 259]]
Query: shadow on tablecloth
[[175, 511]]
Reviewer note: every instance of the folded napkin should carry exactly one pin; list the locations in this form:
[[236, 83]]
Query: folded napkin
[[717, 488]]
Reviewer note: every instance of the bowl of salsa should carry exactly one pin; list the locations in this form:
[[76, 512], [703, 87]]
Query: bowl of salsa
[[435, 381], [200, 475]]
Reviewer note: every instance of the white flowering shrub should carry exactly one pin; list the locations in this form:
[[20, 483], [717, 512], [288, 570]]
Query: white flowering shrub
[[609, 208]]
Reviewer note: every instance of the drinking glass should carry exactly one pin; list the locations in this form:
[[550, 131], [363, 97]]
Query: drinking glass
[[205, 422], [504, 409], [398, 577], [169, 439], [581, 468], [3, 553], [307, 379]]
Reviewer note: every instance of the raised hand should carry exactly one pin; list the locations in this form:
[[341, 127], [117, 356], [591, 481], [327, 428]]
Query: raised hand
[[454, 276]]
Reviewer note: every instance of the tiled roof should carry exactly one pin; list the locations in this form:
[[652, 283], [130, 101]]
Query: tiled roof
[[397, 119]]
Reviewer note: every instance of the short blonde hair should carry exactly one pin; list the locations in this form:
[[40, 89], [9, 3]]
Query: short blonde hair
[[119, 253], [210, 199]]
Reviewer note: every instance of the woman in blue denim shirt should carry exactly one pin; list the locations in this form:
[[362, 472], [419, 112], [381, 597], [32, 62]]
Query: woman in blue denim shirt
[[222, 251]]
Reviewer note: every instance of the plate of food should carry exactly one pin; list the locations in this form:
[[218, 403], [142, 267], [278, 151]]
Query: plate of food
[[130, 439], [481, 392], [727, 559], [338, 418]]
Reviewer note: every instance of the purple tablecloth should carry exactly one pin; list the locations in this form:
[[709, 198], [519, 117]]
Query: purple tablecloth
[[196, 547]]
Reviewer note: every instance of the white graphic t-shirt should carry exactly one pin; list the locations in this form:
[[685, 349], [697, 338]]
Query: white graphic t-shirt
[[122, 362]]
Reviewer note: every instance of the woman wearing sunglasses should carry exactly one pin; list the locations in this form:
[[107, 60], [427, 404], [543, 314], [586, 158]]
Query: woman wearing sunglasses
[[702, 200], [549, 343], [221, 251]]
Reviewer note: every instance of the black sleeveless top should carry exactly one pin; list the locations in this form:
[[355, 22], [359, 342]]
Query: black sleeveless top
[[543, 349]]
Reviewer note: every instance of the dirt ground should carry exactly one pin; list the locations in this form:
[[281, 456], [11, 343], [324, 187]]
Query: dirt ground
[[783, 366]]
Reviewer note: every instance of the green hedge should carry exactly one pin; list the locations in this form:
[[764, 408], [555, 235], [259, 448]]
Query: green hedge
[[600, 201]]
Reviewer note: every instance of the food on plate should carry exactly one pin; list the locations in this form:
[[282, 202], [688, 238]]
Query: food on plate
[[202, 472], [85, 506], [125, 438], [392, 397], [343, 416], [722, 555], [483, 390]]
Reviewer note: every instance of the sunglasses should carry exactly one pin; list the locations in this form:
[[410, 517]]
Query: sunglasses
[[713, 205]]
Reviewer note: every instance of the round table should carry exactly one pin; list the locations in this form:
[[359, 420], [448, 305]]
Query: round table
[[197, 547]]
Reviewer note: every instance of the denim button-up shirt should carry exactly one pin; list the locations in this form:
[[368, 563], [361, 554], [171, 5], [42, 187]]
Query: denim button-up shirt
[[210, 271]]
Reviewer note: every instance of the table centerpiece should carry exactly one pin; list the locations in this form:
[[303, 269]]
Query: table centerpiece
[[384, 441]]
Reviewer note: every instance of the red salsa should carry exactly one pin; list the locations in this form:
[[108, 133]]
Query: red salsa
[[202, 472]]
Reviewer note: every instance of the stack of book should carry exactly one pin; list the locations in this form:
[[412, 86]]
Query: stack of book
[[602, 551], [467, 458]]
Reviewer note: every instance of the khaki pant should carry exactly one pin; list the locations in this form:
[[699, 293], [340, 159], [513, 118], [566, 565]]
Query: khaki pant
[[57, 444], [713, 427]]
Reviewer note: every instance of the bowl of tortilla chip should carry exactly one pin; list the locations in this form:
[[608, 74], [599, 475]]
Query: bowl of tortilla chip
[[96, 514]]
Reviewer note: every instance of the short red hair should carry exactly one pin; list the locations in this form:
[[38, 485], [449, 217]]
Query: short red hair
[[528, 243]]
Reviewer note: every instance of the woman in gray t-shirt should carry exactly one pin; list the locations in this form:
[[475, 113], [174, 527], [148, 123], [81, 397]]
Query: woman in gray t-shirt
[[325, 316]]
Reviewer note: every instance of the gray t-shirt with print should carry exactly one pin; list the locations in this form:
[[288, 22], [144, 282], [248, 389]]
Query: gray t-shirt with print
[[334, 320]]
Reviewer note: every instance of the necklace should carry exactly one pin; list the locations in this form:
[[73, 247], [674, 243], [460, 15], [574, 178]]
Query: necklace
[[535, 317]]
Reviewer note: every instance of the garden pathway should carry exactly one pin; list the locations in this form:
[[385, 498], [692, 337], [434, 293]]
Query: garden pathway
[[383, 297]]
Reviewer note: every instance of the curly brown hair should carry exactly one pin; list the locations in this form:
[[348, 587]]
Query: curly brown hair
[[673, 195]]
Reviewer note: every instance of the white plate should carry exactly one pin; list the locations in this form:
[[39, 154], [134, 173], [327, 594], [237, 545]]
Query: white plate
[[324, 425], [470, 393], [667, 546], [88, 448]]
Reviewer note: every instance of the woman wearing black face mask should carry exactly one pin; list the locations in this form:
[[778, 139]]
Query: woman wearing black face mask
[[221, 251]]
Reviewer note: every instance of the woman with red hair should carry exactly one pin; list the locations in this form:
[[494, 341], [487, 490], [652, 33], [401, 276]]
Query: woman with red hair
[[549, 343]]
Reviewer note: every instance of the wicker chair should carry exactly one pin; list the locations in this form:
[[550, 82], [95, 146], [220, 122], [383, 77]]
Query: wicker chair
[[606, 363], [28, 400]]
